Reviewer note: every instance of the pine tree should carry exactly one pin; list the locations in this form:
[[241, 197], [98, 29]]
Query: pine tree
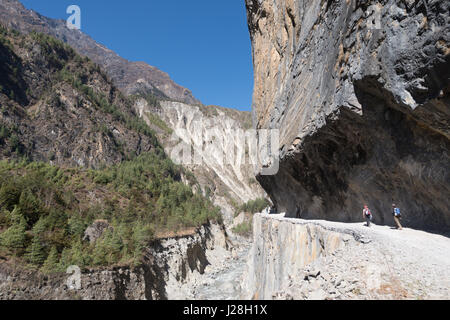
[[14, 238], [114, 244], [51, 264], [4, 218], [141, 237], [100, 254], [9, 195], [65, 261], [40, 227], [30, 206], [79, 256], [36, 252]]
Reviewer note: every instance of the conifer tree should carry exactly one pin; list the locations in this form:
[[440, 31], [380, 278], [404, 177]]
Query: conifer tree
[[36, 252], [80, 256], [51, 264], [65, 261], [100, 254], [30, 206], [40, 227], [14, 238]]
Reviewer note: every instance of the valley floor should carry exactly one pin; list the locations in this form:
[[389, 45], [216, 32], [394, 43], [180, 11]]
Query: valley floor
[[223, 281], [223, 276]]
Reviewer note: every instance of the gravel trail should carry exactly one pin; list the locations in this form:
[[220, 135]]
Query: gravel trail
[[384, 263]]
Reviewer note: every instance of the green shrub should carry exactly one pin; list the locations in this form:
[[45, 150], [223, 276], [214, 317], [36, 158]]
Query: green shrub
[[243, 229], [157, 121], [254, 206]]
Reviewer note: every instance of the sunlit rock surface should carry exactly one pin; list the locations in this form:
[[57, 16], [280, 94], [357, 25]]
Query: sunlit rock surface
[[360, 93]]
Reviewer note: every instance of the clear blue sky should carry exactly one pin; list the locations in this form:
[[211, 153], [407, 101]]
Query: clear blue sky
[[203, 45]]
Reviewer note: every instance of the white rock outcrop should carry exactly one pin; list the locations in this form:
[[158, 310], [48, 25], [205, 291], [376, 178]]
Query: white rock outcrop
[[212, 137]]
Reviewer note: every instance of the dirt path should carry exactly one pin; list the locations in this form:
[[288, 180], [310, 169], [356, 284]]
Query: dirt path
[[384, 263]]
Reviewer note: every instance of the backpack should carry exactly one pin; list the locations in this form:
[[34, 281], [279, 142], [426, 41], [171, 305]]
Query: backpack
[[397, 212]]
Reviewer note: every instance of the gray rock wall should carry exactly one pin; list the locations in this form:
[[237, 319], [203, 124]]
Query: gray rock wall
[[281, 250], [298, 259], [360, 93]]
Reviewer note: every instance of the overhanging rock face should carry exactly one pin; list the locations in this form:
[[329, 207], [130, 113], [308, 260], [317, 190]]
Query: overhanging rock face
[[360, 93]]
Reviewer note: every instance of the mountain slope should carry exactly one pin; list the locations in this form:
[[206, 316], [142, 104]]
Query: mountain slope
[[213, 132], [106, 165], [229, 187], [127, 76], [60, 107]]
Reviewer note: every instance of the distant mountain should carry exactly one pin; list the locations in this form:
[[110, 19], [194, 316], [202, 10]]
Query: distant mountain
[[130, 77], [227, 186]]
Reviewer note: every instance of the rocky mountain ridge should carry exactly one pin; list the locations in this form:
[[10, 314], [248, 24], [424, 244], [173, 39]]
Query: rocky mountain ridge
[[128, 76], [58, 107]]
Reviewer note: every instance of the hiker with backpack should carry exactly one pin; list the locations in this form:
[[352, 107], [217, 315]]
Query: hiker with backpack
[[397, 216], [367, 215]]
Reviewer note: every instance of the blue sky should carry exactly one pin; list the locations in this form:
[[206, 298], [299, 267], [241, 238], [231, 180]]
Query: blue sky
[[203, 45]]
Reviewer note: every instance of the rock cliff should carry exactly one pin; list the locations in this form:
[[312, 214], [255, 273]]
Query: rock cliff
[[360, 93], [170, 266], [281, 250]]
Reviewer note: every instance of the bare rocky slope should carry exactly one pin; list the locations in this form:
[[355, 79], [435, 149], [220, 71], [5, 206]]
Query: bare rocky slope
[[59, 107], [360, 93], [130, 77], [209, 134]]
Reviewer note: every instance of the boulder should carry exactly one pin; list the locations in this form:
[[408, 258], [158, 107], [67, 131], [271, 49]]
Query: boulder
[[96, 230]]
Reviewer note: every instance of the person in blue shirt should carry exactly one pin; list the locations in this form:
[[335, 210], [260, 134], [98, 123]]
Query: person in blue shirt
[[397, 216]]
